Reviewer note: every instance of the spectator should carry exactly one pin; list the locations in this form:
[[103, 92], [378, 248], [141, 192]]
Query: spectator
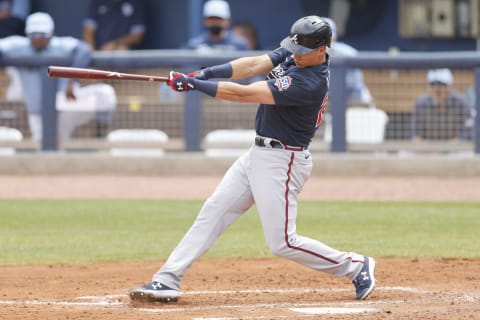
[[442, 113], [40, 40], [114, 24], [357, 91], [12, 17], [216, 20], [12, 22], [248, 32]]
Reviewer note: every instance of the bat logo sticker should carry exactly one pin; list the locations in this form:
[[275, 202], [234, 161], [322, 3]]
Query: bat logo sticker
[[114, 75]]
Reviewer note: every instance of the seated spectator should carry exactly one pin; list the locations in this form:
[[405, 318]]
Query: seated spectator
[[442, 113], [216, 20], [12, 17], [12, 22], [114, 24], [40, 40], [357, 91]]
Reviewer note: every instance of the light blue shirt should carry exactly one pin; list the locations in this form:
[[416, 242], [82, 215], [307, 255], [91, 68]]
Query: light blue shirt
[[357, 91], [31, 77], [230, 42]]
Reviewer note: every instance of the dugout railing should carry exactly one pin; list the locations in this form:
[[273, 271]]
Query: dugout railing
[[187, 118]]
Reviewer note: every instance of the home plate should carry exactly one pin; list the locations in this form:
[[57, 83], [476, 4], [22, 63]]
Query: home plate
[[331, 310]]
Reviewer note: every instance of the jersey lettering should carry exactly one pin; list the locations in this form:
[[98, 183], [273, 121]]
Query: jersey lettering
[[279, 70], [276, 72]]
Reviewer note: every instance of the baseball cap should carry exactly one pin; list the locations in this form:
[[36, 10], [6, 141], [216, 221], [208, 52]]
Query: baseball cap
[[216, 8], [441, 76], [307, 34], [39, 22]]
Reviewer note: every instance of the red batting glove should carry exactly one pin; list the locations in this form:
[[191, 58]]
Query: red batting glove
[[180, 82]]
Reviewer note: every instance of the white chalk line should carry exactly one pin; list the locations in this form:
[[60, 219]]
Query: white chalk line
[[303, 291], [114, 300], [109, 300], [285, 305], [330, 310], [273, 291], [122, 305]]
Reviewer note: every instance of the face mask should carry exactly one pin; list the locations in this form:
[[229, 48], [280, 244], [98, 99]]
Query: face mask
[[215, 30]]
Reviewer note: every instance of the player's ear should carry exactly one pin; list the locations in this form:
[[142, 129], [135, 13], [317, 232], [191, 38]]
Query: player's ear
[[322, 49]]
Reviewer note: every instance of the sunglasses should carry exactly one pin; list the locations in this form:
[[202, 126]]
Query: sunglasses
[[39, 35], [438, 83]]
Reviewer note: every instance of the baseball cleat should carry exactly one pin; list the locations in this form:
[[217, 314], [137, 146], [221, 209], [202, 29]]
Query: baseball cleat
[[154, 292], [365, 281]]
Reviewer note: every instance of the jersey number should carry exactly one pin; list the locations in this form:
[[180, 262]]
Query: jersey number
[[322, 109]]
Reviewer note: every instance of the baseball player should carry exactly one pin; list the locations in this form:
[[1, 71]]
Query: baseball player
[[272, 173]]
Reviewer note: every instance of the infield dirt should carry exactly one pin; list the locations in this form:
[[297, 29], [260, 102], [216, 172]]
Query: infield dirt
[[242, 288]]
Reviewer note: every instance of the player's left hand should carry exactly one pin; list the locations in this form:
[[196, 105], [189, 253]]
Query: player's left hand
[[180, 82]]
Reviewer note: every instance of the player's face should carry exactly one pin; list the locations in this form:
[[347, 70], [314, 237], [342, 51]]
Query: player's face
[[312, 58]]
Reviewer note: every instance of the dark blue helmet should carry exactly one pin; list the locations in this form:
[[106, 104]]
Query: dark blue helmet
[[307, 34]]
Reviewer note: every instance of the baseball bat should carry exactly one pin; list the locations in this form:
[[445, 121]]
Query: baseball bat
[[85, 73]]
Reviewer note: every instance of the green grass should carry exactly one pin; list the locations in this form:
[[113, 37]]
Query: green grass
[[84, 231]]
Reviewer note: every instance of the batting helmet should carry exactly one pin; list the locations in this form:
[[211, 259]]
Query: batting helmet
[[307, 34]]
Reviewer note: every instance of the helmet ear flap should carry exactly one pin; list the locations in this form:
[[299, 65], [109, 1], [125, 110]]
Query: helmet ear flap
[[327, 41]]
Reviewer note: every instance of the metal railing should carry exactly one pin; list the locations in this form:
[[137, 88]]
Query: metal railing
[[192, 103], [470, 60]]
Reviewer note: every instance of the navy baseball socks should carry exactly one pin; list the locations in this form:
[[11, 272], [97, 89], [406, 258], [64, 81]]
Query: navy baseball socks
[[154, 292], [365, 280]]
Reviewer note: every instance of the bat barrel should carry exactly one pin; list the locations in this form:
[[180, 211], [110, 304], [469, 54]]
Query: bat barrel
[[85, 73], [80, 73]]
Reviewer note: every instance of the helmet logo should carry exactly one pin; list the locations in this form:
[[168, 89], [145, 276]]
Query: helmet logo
[[294, 38]]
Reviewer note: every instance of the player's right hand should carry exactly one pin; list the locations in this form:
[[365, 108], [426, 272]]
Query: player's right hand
[[180, 82]]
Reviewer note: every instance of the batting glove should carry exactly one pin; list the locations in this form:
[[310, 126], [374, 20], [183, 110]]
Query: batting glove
[[180, 82]]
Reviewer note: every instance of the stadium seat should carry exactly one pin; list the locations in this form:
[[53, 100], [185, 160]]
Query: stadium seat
[[363, 125], [134, 142], [9, 135], [228, 143]]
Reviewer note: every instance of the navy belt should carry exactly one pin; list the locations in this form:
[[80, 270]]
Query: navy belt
[[275, 144]]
